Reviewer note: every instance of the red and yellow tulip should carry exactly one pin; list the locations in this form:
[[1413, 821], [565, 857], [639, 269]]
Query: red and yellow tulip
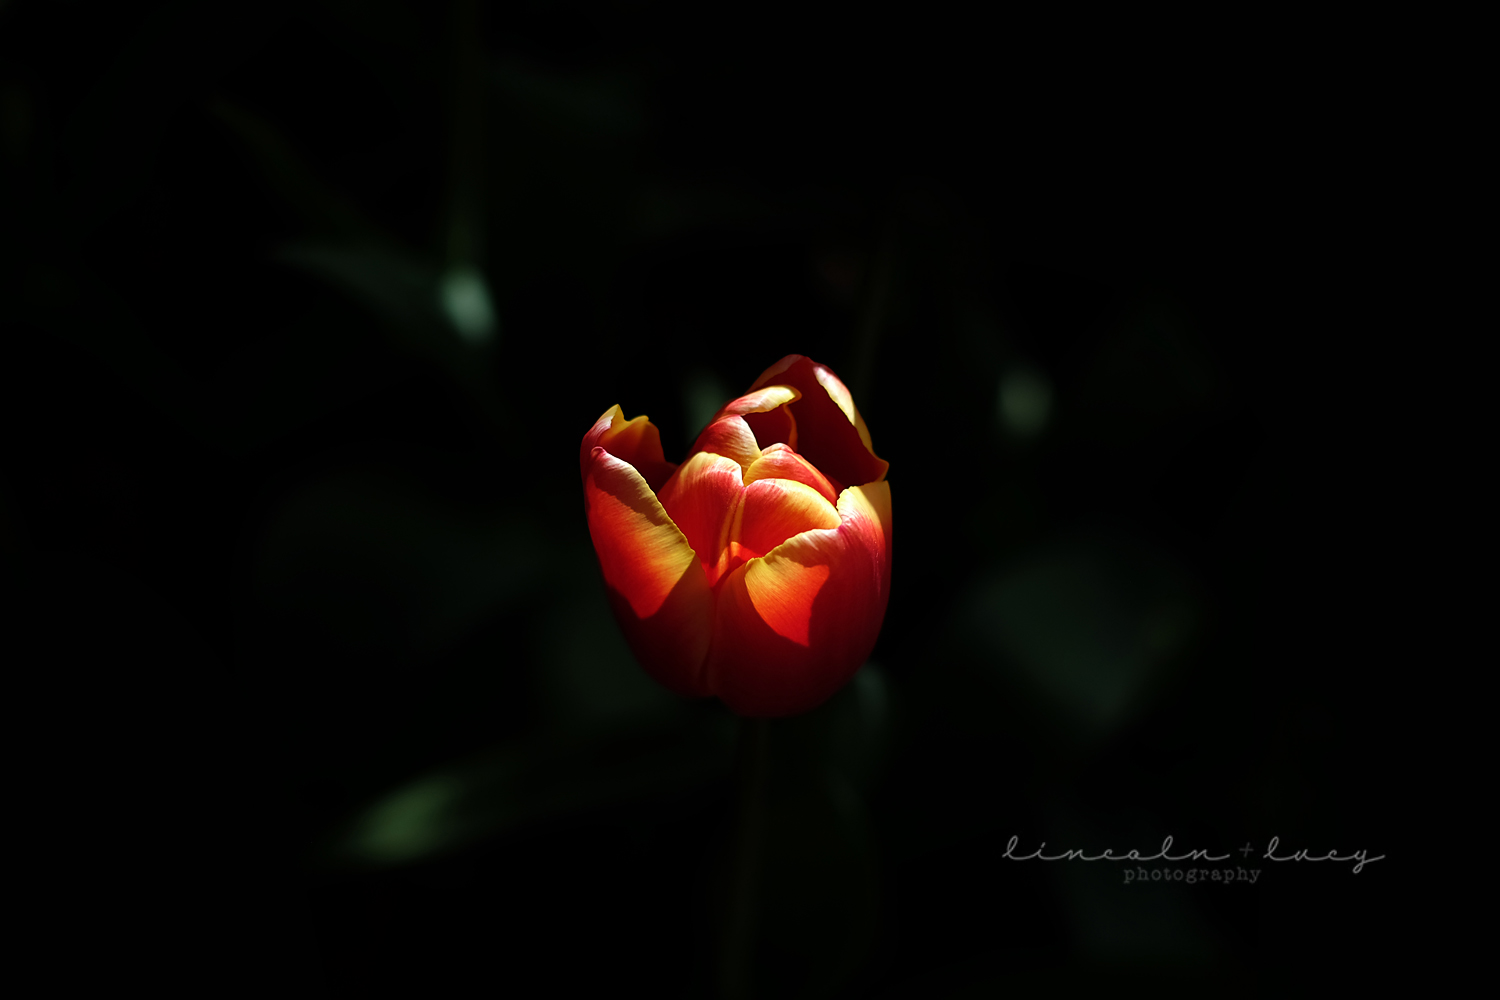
[[758, 570]]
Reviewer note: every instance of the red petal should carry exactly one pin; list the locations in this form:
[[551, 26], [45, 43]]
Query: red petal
[[636, 442], [776, 509], [765, 413], [702, 499], [761, 400], [731, 437], [657, 588], [830, 432], [780, 462], [791, 628], [773, 427]]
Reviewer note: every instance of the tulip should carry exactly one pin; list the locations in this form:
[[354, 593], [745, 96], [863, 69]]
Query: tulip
[[758, 570]]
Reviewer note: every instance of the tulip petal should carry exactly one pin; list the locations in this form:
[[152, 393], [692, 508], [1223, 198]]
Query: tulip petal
[[636, 442], [839, 393], [731, 437], [702, 499], [792, 627], [770, 373], [657, 587], [832, 435], [761, 400], [776, 509], [780, 462], [766, 414], [866, 513], [773, 427]]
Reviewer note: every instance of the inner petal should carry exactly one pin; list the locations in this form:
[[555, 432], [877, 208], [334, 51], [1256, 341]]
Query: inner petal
[[773, 427], [765, 413], [731, 437], [764, 400], [776, 509], [636, 442], [778, 461], [702, 499], [832, 438]]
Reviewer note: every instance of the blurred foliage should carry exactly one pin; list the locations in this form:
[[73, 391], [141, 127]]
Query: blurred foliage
[[1085, 623], [307, 307]]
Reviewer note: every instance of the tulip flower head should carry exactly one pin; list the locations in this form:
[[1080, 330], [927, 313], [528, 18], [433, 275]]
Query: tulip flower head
[[758, 570]]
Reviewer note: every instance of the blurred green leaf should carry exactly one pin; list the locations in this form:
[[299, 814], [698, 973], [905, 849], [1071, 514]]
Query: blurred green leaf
[[399, 288], [1024, 401], [465, 299], [328, 212], [544, 779], [443, 319], [423, 304], [1087, 623]]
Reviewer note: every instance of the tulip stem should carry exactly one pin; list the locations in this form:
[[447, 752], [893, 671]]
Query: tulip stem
[[738, 941]]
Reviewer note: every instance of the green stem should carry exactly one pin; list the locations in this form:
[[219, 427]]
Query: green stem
[[737, 945]]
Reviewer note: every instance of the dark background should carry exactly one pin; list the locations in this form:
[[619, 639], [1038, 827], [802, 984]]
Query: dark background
[[326, 696]]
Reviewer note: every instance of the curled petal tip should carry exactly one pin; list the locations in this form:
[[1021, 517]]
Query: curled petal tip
[[635, 441]]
